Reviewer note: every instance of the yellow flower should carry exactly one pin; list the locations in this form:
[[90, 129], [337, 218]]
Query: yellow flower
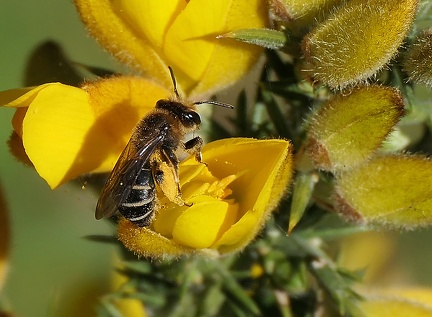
[[372, 252], [68, 131], [397, 302], [149, 35], [125, 305], [232, 196]]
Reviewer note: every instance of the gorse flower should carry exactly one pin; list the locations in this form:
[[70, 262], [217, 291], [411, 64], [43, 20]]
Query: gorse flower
[[68, 131], [232, 196], [150, 35], [340, 87]]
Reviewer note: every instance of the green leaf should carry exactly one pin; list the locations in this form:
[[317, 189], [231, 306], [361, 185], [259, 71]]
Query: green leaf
[[236, 292], [275, 114], [267, 38], [302, 193], [241, 121], [337, 285]]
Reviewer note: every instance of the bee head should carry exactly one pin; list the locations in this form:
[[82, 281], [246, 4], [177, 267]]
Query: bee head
[[186, 115]]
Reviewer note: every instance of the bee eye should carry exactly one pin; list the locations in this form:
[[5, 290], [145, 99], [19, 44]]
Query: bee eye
[[192, 117]]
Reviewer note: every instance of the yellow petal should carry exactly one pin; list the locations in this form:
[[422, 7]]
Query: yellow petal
[[202, 224], [358, 40], [166, 219], [201, 60], [232, 196], [149, 19], [370, 251], [190, 40], [391, 190], [18, 118], [199, 187], [131, 307], [21, 97], [421, 295], [337, 131], [118, 104], [393, 307], [54, 128], [242, 232], [263, 174], [266, 178], [69, 131], [149, 35], [116, 34]]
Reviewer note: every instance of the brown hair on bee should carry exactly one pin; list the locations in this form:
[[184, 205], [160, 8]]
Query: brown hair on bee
[[150, 157]]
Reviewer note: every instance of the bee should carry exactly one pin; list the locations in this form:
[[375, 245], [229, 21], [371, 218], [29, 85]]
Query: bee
[[151, 156]]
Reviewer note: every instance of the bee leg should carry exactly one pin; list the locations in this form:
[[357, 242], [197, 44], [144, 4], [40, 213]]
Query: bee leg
[[193, 146], [165, 173]]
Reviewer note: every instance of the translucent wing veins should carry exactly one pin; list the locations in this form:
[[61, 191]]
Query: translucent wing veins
[[124, 174]]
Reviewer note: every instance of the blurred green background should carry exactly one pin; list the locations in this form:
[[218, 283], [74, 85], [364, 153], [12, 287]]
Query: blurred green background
[[54, 271], [52, 266]]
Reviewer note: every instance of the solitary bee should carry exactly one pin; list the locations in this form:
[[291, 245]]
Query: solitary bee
[[151, 156]]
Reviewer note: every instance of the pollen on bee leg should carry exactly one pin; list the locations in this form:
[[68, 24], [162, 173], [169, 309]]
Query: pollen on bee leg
[[167, 179]]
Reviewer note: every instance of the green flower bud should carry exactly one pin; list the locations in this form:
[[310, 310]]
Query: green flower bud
[[391, 190], [418, 61], [358, 40], [347, 130]]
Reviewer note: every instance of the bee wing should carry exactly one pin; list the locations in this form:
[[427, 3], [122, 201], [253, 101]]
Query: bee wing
[[124, 174]]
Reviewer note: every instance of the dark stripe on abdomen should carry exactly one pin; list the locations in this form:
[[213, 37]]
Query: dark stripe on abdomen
[[139, 205]]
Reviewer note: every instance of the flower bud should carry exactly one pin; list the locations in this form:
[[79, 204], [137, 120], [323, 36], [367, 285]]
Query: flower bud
[[348, 129], [358, 40], [418, 60], [392, 190]]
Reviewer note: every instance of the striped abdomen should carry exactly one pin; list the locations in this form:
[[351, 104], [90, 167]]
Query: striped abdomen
[[139, 205]]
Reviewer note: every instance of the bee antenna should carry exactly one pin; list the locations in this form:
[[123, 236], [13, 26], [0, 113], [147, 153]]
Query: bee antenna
[[211, 102], [216, 103], [174, 82]]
